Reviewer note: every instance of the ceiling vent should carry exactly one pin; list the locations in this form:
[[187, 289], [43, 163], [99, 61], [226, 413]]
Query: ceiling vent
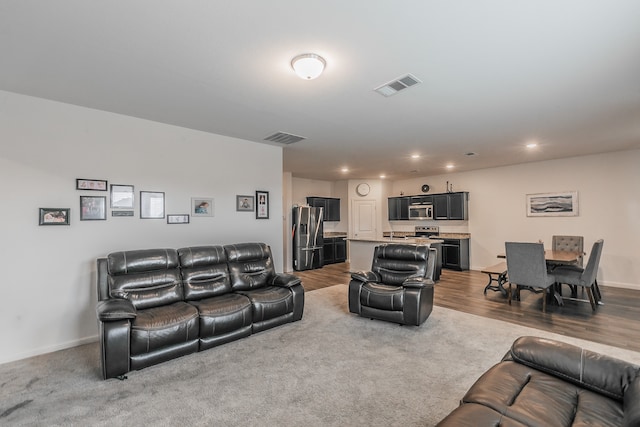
[[395, 86], [284, 138]]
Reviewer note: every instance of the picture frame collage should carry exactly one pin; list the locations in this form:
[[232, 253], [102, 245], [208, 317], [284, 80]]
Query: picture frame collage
[[94, 207]]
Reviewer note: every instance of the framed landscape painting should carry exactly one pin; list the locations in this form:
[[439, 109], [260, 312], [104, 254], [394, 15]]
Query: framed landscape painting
[[553, 204]]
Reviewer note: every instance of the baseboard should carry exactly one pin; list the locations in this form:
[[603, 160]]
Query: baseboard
[[48, 349]]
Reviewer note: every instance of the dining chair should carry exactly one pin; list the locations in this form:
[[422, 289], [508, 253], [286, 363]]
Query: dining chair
[[527, 269], [569, 243], [584, 277]]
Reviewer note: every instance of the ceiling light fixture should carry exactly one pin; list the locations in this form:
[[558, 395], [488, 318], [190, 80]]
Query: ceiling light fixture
[[308, 66], [450, 166], [532, 145]]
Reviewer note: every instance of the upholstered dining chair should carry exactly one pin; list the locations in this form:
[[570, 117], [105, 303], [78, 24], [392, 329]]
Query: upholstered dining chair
[[399, 287], [584, 277], [569, 244], [527, 269]]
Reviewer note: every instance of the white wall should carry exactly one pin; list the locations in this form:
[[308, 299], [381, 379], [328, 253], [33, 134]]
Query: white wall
[[609, 208], [48, 286]]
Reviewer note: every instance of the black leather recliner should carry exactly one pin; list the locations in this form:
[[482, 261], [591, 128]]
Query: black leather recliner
[[399, 287], [158, 304]]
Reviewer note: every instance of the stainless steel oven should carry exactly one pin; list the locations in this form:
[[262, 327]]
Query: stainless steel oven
[[421, 212]]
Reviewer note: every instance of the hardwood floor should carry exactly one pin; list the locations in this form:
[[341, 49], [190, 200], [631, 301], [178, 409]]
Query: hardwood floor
[[615, 323]]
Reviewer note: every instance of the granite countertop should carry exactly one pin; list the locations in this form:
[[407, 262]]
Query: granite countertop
[[400, 240], [330, 234], [454, 236]]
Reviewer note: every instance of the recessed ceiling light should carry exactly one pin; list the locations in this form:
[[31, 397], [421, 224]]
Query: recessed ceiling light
[[344, 170], [532, 144], [449, 166], [383, 176], [415, 156]]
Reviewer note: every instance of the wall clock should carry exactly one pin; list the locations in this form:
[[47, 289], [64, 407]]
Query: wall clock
[[425, 188], [363, 189]]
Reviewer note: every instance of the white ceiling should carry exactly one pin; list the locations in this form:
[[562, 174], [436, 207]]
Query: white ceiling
[[495, 73]]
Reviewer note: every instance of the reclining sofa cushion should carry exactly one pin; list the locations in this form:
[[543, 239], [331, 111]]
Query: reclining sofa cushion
[[164, 326], [550, 383], [275, 298], [224, 316]]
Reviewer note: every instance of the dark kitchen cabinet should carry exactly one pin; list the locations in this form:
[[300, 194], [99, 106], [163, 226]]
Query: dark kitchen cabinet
[[399, 208], [335, 250], [421, 200], [330, 205], [451, 206], [455, 254]]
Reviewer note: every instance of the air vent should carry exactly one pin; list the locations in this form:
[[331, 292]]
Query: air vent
[[284, 138], [395, 86]]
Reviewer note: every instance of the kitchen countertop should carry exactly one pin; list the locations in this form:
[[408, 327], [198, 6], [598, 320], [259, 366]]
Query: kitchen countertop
[[410, 234], [400, 240], [330, 234]]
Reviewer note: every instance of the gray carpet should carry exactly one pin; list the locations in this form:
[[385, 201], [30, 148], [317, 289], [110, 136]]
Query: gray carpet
[[331, 368]]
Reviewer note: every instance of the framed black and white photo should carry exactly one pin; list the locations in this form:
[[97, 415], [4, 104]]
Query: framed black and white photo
[[262, 205], [91, 184], [121, 196], [151, 205], [202, 206], [121, 213], [54, 216], [553, 204], [178, 219], [245, 203], [93, 208]]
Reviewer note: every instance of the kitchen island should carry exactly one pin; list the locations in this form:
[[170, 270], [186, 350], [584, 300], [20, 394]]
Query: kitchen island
[[361, 251]]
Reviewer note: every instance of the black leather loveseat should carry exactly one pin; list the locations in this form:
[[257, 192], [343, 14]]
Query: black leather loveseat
[[543, 382], [158, 304]]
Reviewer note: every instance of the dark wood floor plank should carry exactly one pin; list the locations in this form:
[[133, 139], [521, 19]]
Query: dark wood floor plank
[[615, 323]]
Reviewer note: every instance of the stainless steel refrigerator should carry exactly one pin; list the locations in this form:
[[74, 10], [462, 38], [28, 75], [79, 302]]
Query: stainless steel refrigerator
[[307, 238]]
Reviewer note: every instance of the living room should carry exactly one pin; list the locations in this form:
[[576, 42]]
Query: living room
[[50, 272]]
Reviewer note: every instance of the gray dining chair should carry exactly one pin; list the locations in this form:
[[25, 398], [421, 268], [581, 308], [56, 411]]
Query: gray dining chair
[[584, 277], [527, 269], [570, 244]]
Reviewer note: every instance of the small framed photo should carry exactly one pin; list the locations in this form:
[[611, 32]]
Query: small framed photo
[[121, 213], [121, 196], [178, 219], [54, 216], [262, 210], [245, 203], [91, 184], [151, 205], [93, 208], [202, 206], [553, 204]]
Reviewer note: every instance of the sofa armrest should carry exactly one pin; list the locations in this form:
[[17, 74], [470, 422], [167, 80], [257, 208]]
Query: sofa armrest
[[115, 309], [631, 404], [365, 276], [417, 282], [602, 374], [285, 280]]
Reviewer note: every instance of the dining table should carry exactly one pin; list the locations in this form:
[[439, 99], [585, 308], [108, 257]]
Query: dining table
[[555, 258]]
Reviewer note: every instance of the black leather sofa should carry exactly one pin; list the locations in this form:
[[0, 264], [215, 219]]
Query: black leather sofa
[[158, 304], [542, 382]]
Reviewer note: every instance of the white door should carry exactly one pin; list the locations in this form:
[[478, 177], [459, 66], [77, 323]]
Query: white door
[[364, 219]]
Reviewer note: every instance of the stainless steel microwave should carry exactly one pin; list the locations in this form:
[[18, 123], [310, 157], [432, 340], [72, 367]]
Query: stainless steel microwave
[[421, 212]]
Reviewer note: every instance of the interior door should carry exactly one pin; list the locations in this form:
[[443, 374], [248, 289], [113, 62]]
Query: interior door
[[364, 219]]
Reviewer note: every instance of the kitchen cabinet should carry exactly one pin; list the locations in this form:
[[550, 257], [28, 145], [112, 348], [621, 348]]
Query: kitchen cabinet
[[451, 206], [335, 250], [330, 205], [399, 208], [455, 254], [421, 200]]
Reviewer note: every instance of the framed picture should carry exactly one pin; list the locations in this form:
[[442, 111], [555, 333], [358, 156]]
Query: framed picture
[[202, 206], [121, 196], [91, 184], [178, 219], [553, 204], [151, 205], [54, 216], [93, 208], [245, 203], [121, 213], [262, 210]]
